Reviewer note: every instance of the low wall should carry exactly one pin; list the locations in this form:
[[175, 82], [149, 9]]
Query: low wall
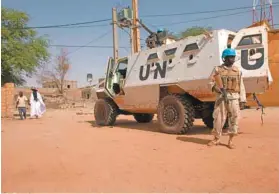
[[7, 100]]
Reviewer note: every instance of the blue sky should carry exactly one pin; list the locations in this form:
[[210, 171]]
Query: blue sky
[[93, 60]]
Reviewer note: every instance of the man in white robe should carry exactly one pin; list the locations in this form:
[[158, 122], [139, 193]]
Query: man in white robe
[[38, 106]]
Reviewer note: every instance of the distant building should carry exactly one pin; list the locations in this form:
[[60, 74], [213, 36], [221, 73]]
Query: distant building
[[86, 92], [68, 84]]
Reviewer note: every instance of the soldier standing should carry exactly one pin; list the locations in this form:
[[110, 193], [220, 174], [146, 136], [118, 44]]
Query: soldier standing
[[227, 83]]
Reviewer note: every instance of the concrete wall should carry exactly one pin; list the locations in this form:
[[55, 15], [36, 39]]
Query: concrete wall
[[7, 100]]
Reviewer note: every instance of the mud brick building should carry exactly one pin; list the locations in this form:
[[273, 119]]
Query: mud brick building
[[68, 84], [7, 102]]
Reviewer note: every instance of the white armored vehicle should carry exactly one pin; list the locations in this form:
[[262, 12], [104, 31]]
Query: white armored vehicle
[[172, 80]]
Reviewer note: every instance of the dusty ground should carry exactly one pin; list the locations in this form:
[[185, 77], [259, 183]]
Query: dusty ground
[[64, 152]]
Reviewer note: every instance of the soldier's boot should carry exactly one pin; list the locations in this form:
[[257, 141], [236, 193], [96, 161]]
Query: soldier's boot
[[215, 141], [230, 144]]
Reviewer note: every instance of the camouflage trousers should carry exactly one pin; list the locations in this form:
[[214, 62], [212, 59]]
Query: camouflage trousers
[[220, 115]]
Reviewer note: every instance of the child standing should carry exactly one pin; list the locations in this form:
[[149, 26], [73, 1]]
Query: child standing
[[21, 105]]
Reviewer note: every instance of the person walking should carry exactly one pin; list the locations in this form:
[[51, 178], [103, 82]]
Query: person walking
[[38, 107]]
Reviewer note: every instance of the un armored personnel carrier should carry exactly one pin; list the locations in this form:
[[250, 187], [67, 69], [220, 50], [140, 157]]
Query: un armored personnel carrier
[[172, 80]]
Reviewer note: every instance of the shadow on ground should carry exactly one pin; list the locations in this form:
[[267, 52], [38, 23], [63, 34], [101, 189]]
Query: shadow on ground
[[194, 140], [93, 124], [197, 140], [151, 127]]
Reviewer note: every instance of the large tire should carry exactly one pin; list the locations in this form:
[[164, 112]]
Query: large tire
[[143, 118], [208, 121], [105, 112], [175, 114], [208, 118]]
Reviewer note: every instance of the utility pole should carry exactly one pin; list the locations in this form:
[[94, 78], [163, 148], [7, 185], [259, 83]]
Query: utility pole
[[135, 27], [115, 35], [132, 41]]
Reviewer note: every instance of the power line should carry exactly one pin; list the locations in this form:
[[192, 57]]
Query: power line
[[200, 12], [206, 18], [88, 26], [87, 44], [75, 46], [154, 26], [200, 19], [126, 32], [79, 25], [65, 25], [120, 38], [129, 33]]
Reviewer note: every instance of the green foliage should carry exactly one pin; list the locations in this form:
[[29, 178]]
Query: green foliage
[[22, 50], [194, 31]]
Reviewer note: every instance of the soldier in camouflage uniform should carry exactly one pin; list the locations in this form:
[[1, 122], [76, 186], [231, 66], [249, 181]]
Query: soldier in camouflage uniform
[[227, 82]]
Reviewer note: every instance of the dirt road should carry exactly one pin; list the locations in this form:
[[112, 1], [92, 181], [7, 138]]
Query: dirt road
[[65, 152]]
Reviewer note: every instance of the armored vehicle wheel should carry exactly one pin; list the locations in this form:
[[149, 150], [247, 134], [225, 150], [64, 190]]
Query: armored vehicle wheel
[[105, 112], [208, 119], [175, 114], [143, 118]]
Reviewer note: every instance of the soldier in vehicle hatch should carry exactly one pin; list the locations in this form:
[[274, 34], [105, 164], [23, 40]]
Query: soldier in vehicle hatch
[[227, 83]]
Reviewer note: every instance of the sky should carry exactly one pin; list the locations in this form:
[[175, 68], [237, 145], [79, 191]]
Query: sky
[[93, 60]]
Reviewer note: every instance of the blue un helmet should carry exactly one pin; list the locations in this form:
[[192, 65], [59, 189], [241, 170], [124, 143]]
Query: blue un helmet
[[160, 30], [228, 52]]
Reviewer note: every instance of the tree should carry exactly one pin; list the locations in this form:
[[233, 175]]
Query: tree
[[22, 49], [194, 31], [58, 74]]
